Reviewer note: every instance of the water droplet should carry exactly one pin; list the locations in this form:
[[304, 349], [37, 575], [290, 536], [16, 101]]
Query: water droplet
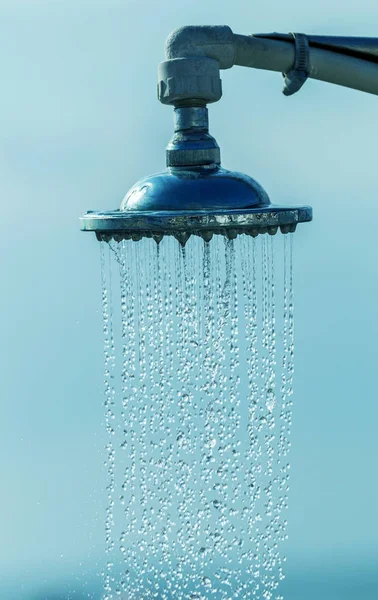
[[198, 423]]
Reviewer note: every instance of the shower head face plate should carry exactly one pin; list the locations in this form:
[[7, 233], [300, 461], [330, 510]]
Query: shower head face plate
[[194, 200]]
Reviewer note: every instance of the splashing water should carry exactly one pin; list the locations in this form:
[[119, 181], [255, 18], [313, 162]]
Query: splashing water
[[198, 434]]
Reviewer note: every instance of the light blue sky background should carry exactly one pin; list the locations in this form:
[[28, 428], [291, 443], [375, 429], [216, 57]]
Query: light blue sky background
[[79, 123]]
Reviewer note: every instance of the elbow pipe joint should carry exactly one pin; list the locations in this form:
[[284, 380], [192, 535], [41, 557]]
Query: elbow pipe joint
[[215, 42], [190, 75]]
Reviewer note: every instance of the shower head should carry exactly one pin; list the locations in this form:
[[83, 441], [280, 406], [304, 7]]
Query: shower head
[[199, 201], [195, 195]]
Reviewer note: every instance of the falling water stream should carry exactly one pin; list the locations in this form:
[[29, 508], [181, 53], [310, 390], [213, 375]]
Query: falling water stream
[[199, 347]]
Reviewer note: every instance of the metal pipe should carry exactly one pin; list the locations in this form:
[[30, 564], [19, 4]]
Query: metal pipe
[[325, 65], [261, 53], [193, 52]]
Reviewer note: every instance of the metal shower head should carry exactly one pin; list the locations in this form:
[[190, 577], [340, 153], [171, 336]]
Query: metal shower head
[[195, 201], [195, 195]]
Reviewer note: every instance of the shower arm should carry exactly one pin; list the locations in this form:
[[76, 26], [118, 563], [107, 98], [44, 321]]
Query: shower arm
[[195, 54]]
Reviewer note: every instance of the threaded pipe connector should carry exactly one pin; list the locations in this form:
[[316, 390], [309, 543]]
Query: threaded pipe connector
[[192, 145], [192, 78]]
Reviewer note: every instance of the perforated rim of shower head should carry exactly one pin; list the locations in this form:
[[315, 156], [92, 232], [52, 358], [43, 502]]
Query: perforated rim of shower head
[[182, 224]]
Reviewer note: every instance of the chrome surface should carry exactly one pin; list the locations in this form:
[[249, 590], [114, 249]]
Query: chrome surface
[[195, 188], [191, 117], [197, 201], [183, 224], [195, 195], [192, 144]]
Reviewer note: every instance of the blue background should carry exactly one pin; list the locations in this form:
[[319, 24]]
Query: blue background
[[79, 123]]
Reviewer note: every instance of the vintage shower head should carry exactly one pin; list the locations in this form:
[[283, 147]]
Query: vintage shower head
[[195, 195]]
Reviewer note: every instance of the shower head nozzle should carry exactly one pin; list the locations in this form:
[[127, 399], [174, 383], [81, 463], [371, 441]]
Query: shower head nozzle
[[194, 196]]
